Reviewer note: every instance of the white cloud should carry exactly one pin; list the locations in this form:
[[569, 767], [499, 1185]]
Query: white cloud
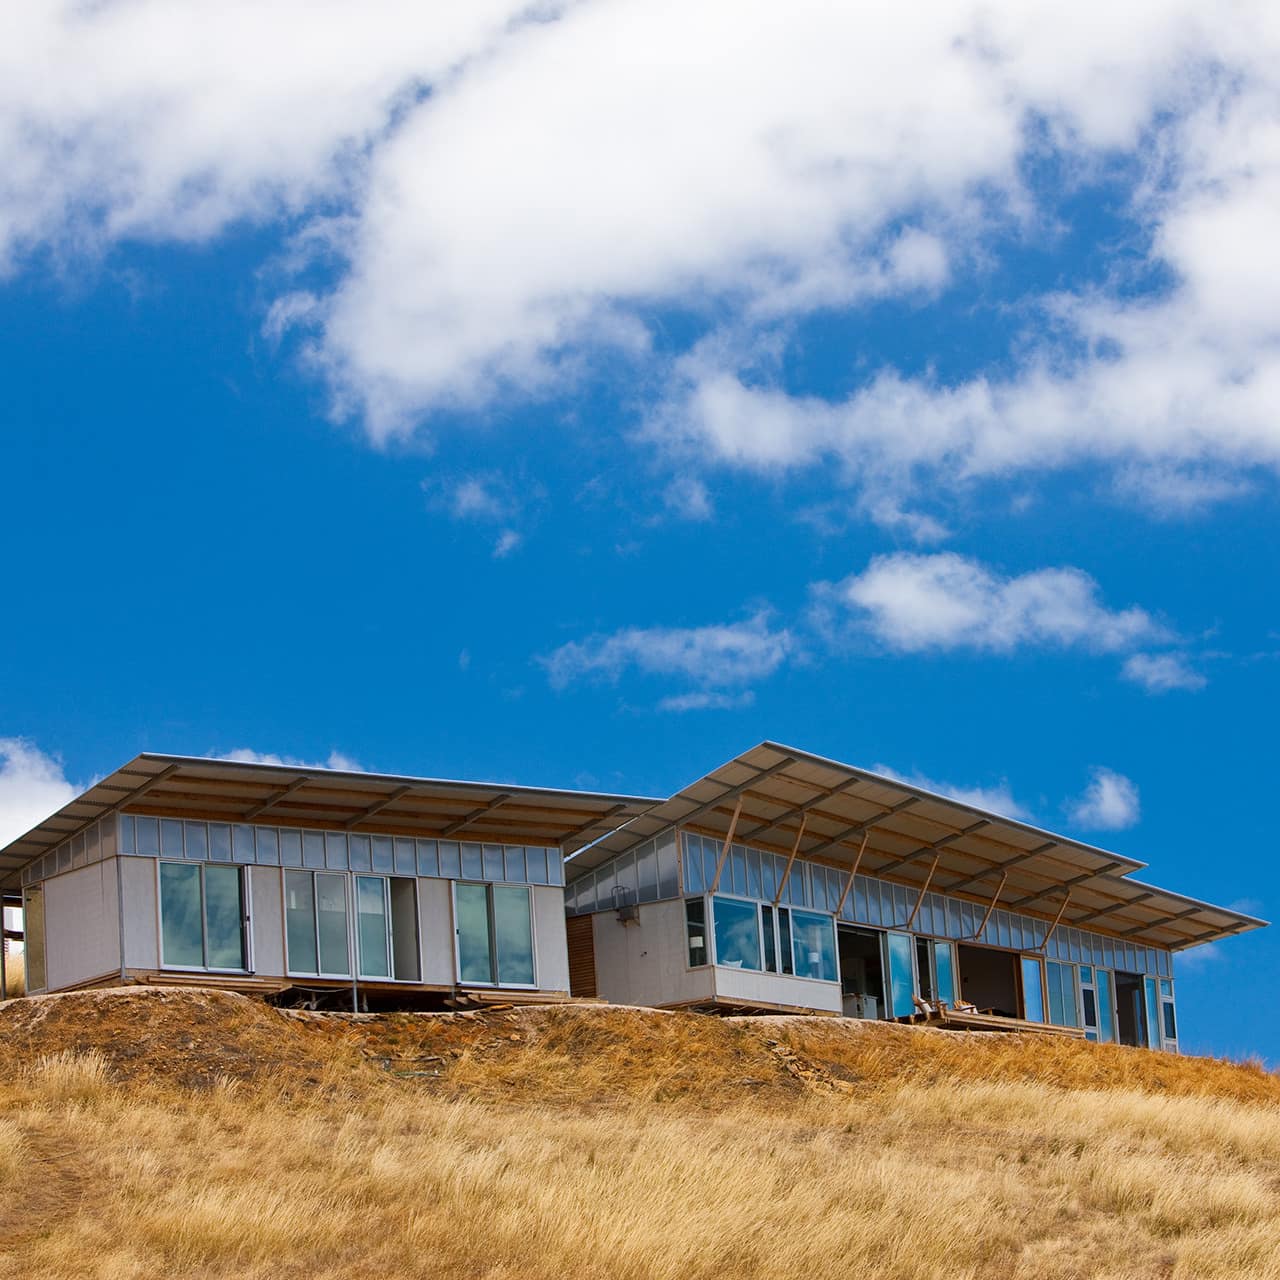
[[476, 498], [508, 541], [1109, 802], [334, 760], [492, 234], [994, 799], [706, 700], [913, 603], [713, 656], [1162, 672], [686, 498], [155, 120], [32, 786]]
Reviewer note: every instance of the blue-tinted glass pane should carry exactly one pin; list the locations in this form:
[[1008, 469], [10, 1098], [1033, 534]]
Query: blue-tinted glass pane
[[313, 849], [268, 846], [197, 841], [290, 849], [371, 926], [224, 917], [382, 855], [360, 853], [737, 934], [694, 881], [335, 851], [428, 862], [945, 963], [181, 926], [406, 862], [300, 921], [513, 864], [814, 945], [450, 861], [1153, 1012], [513, 935], [475, 954], [668, 873], [901, 975], [242, 844], [472, 862], [171, 837], [147, 837], [1032, 990], [331, 923], [1106, 1017]]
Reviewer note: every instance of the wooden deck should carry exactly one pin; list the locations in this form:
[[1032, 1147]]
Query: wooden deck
[[954, 1020]]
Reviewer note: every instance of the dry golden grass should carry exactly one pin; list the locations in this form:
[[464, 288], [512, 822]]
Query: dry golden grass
[[502, 1146]]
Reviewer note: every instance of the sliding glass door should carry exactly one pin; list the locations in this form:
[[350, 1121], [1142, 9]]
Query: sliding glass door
[[202, 916], [494, 924], [315, 913], [900, 967]]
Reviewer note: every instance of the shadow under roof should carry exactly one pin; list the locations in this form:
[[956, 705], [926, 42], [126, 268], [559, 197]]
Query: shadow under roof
[[785, 799], [330, 799]]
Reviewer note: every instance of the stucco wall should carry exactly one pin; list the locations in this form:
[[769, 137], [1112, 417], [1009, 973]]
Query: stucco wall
[[141, 922], [551, 951], [776, 989], [82, 925], [644, 962]]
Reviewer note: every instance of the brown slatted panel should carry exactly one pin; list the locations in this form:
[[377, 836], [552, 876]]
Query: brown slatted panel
[[582, 956]]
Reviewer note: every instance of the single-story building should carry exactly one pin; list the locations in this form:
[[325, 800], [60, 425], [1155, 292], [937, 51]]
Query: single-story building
[[785, 882], [316, 883], [781, 881]]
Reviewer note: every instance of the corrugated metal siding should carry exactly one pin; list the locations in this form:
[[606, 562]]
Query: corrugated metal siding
[[582, 956]]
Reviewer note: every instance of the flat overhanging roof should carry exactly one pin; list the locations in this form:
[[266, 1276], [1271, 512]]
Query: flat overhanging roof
[[787, 799], [330, 799]]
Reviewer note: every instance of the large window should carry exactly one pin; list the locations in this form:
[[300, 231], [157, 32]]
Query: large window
[[495, 935], [387, 928], [1061, 981], [315, 913], [737, 933], [202, 916], [814, 943], [1032, 990], [751, 935]]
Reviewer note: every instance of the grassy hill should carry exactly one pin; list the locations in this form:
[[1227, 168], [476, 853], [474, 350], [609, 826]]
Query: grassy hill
[[161, 1133]]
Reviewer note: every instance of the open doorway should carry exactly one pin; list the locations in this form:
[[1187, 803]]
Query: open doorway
[[1129, 1020], [989, 979], [861, 972]]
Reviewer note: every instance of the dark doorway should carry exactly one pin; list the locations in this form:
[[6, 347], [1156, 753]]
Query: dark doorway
[[1129, 1012], [989, 979], [861, 972]]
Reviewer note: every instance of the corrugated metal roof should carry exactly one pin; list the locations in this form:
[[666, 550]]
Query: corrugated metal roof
[[288, 795], [786, 799]]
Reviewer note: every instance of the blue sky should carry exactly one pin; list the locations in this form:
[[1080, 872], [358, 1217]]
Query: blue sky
[[581, 394]]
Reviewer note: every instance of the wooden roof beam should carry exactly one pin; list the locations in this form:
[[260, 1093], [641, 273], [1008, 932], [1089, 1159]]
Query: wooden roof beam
[[1067, 884], [385, 803], [275, 798], [970, 881], [467, 819], [859, 827]]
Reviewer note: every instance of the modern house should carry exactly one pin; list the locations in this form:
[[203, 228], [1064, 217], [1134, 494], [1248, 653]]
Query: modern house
[[785, 882], [779, 882], [314, 883]]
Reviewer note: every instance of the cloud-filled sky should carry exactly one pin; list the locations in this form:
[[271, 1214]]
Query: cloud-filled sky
[[582, 392]]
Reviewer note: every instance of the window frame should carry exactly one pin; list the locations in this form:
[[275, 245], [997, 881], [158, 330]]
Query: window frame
[[352, 959], [497, 983], [389, 926], [246, 919]]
